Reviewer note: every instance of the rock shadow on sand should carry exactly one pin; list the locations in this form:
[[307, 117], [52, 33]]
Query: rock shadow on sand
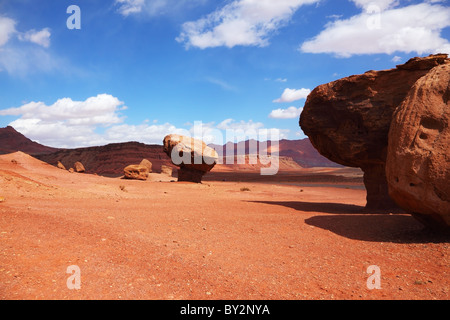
[[324, 207], [357, 223], [398, 228]]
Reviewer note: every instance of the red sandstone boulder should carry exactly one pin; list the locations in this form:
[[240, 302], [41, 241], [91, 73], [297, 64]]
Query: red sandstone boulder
[[348, 120], [166, 170], [60, 165], [136, 172], [147, 164], [418, 161], [79, 167]]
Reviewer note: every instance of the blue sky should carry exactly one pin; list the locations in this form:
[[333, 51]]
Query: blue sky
[[140, 69]]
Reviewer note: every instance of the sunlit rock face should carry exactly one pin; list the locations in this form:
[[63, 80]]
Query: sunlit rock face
[[348, 120], [418, 161]]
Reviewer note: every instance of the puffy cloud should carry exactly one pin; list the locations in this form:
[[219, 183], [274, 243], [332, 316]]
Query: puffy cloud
[[241, 22], [289, 113], [145, 133], [98, 121], [385, 28], [396, 59], [291, 95], [375, 4], [41, 38], [19, 59], [101, 109], [66, 123], [7, 28], [127, 7]]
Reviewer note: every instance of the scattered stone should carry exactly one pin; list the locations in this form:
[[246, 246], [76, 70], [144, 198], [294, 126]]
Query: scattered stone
[[166, 170], [2, 199], [71, 170], [79, 167], [60, 165], [193, 157], [418, 163], [136, 172], [147, 164]]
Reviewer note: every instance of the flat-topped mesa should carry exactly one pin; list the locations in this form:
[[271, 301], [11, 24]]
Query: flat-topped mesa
[[348, 120], [193, 157]]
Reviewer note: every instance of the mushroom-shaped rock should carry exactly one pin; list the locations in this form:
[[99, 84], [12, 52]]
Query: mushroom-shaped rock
[[136, 172], [193, 157], [348, 120], [79, 167], [418, 161]]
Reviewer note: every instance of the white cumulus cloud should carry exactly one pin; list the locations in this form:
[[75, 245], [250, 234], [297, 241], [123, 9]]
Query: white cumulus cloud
[[291, 95], [289, 113], [41, 38], [7, 29], [240, 23], [30, 55], [383, 27], [98, 121], [67, 122]]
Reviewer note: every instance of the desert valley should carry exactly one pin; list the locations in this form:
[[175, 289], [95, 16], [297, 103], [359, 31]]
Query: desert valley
[[299, 235], [358, 211]]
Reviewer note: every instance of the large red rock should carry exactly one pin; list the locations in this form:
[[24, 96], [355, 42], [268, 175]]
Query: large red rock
[[79, 167], [418, 161], [193, 157], [147, 164], [348, 120], [136, 172]]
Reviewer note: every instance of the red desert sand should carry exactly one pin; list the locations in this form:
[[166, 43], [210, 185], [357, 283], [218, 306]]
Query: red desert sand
[[160, 240]]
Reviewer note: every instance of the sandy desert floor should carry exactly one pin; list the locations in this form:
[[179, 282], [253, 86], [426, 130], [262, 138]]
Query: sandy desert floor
[[167, 240]]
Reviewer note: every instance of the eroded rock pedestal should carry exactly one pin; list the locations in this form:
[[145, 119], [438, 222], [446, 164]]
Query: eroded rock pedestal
[[193, 157], [348, 120]]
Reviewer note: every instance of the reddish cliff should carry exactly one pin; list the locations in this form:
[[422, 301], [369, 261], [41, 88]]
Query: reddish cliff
[[13, 141]]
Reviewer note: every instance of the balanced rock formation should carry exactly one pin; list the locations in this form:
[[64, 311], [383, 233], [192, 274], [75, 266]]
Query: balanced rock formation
[[348, 120], [79, 167], [193, 157], [418, 160], [136, 172]]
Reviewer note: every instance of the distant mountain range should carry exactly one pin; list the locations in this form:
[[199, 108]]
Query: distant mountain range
[[109, 160], [12, 141]]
